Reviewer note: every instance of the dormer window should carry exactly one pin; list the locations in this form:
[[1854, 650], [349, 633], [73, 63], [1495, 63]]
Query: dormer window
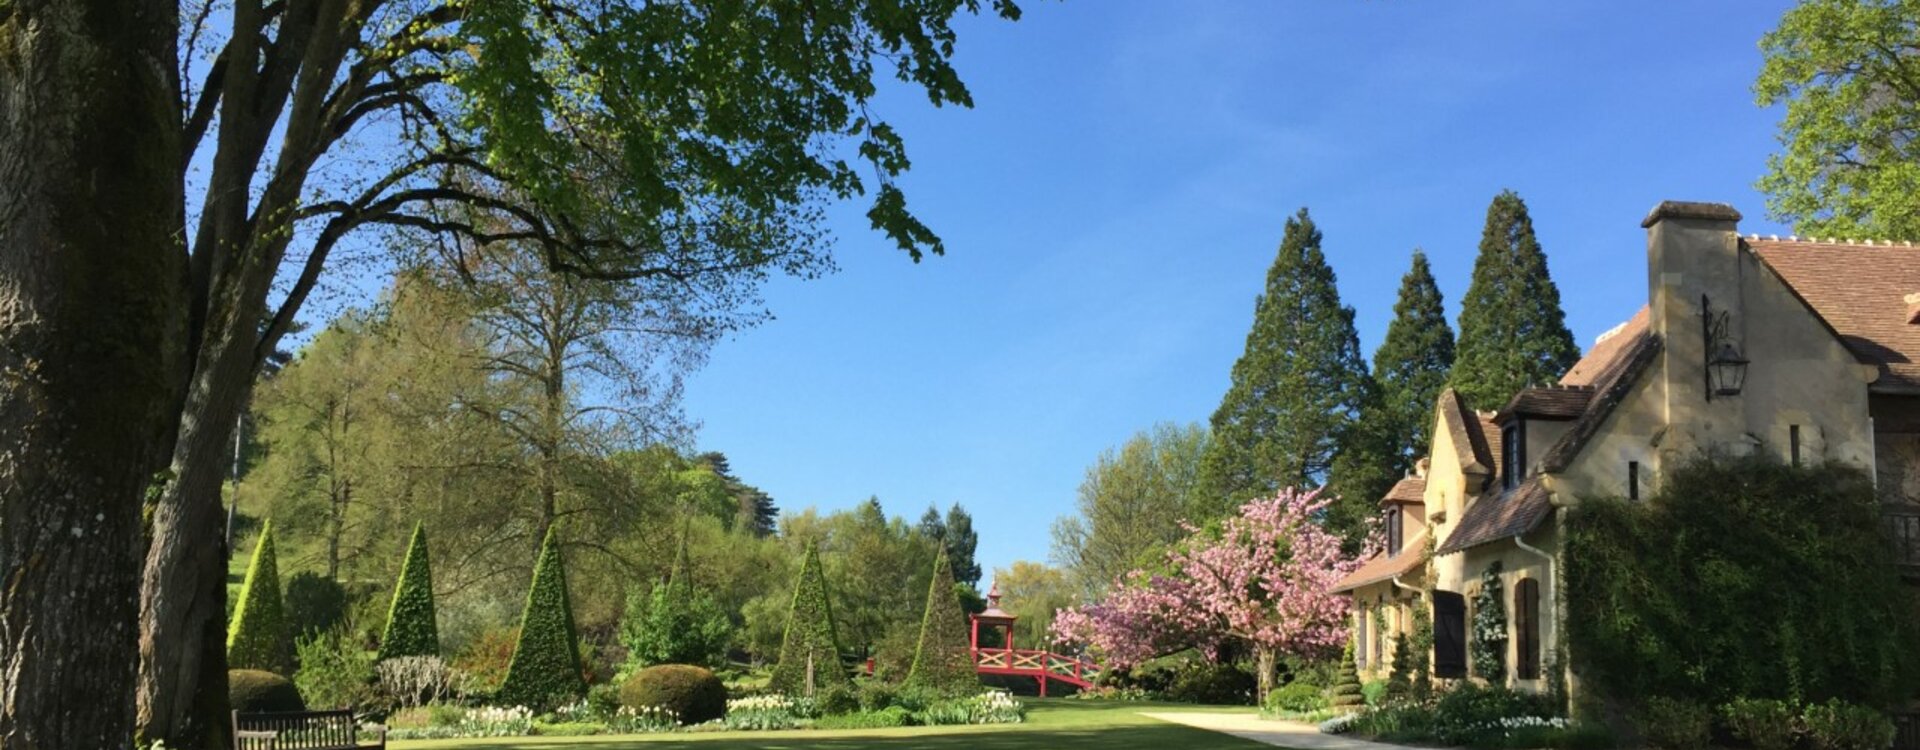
[[1513, 450], [1396, 530]]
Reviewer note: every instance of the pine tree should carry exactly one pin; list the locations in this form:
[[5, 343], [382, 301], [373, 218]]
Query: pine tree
[[412, 629], [545, 669], [810, 650], [1298, 388], [943, 660], [259, 637], [1512, 331]]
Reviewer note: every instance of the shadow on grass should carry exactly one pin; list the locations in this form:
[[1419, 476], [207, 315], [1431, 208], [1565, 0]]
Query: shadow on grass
[[1103, 738]]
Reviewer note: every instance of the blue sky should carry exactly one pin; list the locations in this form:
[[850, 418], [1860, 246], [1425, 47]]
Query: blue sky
[[1111, 205]]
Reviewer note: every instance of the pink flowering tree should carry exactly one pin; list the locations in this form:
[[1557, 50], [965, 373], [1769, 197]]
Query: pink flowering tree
[[1264, 577]]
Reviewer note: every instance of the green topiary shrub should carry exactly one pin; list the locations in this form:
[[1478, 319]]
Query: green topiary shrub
[[1740, 579], [1345, 693], [810, 650], [252, 691], [412, 629], [692, 693], [943, 659], [315, 603], [259, 637], [1400, 678], [1297, 697], [545, 670], [1836, 725]]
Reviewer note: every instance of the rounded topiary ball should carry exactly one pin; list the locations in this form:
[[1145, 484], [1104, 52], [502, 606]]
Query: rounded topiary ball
[[253, 691], [692, 693]]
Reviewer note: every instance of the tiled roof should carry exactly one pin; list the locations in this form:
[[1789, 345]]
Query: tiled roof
[[1860, 292], [1464, 428], [1553, 402], [1490, 436], [1407, 490], [1495, 517], [1606, 374], [1381, 567]]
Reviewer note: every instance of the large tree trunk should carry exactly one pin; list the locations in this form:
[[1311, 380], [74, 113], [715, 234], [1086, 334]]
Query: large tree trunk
[[92, 325]]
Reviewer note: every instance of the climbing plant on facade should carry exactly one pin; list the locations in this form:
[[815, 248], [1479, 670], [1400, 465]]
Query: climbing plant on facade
[[1490, 627]]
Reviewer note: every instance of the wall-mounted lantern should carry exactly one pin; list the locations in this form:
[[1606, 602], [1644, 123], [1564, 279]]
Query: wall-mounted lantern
[[1726, 369]]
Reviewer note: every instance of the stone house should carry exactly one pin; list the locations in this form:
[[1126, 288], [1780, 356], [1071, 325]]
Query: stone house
[[1807, 350]]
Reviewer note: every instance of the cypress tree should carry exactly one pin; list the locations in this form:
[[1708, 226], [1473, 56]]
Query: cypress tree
[[545, 669], [412, 629], [1298, 388], [810, 650], [943, 660], [259, 637], [1512, 331]]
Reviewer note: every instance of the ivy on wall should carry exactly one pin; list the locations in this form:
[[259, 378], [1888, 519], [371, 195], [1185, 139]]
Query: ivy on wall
[[1489, 640]]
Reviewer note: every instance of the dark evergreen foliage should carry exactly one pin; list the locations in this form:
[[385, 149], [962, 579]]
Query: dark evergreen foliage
[[545, 670], [315, 603], [1345, 692], [810, 642], [955, 533], [1740, 579], [412, 629], [1296, 391], [259, 691], [260, 637], [943, 659], [1512, 331], [693, 694]]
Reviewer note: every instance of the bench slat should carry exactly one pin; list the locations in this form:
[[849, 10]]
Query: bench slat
[[300, 730]]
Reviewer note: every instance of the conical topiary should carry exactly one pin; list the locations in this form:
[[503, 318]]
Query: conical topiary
[[258, 637], [1345, 692], [411, 627], [1400, 678], [545, 669], [810, 650], [943, 661]]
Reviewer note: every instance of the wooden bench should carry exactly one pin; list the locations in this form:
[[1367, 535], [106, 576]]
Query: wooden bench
[[301, 730]]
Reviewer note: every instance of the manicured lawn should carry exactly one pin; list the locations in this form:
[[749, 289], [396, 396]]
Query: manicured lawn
[[1051, 725]]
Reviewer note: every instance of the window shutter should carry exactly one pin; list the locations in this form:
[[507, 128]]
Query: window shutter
[[1526, 607], [1449, 634]]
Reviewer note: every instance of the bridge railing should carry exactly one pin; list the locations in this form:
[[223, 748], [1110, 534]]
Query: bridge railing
[[1029, 661]]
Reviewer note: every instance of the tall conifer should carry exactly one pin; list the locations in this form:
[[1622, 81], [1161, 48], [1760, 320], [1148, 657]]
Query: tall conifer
[[1297, 389], [545, 668], [1512, 331], [810, 650], [943, 660]]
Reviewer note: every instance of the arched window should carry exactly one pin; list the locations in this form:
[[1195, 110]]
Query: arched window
[[1526, 628]]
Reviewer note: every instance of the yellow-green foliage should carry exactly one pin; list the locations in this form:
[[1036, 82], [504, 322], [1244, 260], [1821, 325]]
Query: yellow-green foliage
[[411, 627], [810, 639], [545, 669], [258, 637], [943, 661]]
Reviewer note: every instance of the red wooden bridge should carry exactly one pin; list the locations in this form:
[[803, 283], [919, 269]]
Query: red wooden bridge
[[1044, 666]]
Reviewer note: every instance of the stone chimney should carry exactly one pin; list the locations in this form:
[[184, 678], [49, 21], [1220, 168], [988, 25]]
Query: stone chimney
[[1694, 258]]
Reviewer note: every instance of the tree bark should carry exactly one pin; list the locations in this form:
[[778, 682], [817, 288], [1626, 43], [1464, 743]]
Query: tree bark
[[92, 327]]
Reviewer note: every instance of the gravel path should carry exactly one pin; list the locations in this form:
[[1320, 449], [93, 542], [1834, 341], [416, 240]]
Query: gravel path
[[1288, 734]]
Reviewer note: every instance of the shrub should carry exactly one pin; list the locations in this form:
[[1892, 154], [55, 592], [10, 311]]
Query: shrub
[[482, 664], [943, 660], [1297, 697], [334, 671], [1683, 594], [874, 695], [315, 604], [810, 650], [1400, 679], [836, 699], [1373, 691], [1669, 724], [1345, 692], [1463, 713], [259, 691], [415, 680], [1836, 725], [673, 624], [692, 693], [259, 637], [1211, 683], [545, 670], [891, 716], [412, 629], [1765, 724]]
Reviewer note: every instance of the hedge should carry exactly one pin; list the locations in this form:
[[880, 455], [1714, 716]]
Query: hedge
[[693, 693], [1740, 579], [411, 627], [545, 669], [810, 640], [259, 637], [259, 691], [943, 660]]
